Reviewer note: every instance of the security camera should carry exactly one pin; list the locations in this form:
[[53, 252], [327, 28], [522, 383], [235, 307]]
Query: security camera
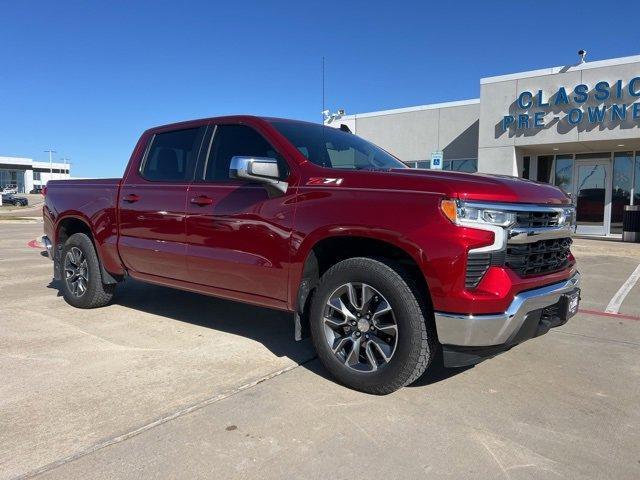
[[341, 111], [582, 54]]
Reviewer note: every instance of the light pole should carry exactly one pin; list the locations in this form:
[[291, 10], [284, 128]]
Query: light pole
[[51, 152], [65, 161]]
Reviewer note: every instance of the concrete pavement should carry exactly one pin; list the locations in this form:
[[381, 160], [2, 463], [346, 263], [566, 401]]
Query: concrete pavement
[[168, 384]]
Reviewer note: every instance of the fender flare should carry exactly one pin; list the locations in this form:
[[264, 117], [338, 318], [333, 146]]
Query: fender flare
[[107, 278]]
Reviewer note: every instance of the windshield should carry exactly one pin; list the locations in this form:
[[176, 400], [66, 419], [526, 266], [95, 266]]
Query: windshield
[[333, 148]]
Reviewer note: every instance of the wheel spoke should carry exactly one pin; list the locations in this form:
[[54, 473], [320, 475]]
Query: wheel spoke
[[353, 296], [371, 357], [354, 355], [382, 347], [338, 305], [81, 285], [390, 329], [340, 344], [368, 294]]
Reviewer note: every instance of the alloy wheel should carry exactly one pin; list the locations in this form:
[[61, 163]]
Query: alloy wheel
[[76, 271], [360, 327]]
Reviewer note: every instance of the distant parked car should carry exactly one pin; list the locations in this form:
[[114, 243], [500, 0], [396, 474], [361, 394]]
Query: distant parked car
[[10, 188], [11, 199], [36, 189]]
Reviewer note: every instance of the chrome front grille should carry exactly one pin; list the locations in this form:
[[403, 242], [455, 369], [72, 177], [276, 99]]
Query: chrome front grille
[[538, 219], [537, 243], [543, 256]]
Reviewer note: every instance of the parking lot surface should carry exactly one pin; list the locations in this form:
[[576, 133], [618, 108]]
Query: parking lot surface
[[169, 384]]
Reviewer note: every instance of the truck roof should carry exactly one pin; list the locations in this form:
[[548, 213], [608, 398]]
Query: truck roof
[[234, 118]]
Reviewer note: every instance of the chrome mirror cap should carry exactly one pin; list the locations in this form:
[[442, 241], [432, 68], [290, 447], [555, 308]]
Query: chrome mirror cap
[[258, 169]]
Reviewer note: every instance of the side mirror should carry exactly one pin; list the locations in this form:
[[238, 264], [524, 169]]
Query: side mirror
[[258, 169]]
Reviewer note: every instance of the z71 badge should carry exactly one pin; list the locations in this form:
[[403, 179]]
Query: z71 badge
[[324, 181]]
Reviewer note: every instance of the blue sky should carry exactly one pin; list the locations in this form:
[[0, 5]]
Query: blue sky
[[86, 77]]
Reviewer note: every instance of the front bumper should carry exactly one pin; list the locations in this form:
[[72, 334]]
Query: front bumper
[[48, 246], [501, 329]]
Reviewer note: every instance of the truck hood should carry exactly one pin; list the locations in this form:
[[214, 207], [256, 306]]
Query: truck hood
[[485, 187]]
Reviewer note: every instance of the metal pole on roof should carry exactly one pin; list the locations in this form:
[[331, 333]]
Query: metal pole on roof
[[51, 152], [65, 160]]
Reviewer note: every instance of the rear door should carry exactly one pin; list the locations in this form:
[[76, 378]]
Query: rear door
[[152, 204], [238, 233]]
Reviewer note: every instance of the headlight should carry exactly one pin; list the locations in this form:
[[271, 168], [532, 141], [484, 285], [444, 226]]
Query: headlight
[[568, 216], [462, 213]]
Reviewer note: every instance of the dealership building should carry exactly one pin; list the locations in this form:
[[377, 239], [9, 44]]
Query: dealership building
[[577, 127], [28, 175]]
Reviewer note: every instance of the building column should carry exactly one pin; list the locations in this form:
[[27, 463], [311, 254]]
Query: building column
[[28, 181], [499, 160]]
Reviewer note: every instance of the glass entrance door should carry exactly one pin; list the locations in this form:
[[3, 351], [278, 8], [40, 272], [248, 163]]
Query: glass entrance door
[[593, 196]]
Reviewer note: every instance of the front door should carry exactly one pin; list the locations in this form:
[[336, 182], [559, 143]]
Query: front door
[[238, 233], [593, 196]]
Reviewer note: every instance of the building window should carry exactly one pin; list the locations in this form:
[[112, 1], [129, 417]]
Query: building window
[[621, 190], [636, 187], [544, 168], [36, 176], [526, 167], [564, 173], [469, 165], [422, 164]]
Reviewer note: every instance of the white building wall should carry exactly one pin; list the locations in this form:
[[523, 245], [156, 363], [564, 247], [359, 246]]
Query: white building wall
[[499, 149]]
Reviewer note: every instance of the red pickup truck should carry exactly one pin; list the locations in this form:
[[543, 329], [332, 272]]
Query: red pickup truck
[[384, 265]]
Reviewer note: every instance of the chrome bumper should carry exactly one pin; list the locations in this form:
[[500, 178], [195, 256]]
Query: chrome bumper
[[487, 330], [48, 246]]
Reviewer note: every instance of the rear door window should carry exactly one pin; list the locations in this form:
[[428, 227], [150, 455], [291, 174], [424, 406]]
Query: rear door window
[[172, 155]]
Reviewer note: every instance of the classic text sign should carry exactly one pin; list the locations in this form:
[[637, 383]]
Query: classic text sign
[[604, 103]]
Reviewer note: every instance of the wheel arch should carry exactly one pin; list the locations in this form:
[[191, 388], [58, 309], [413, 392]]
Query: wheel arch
[[325, 251], [70, 225]]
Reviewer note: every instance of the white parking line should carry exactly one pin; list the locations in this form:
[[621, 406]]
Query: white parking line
[[618, 298]]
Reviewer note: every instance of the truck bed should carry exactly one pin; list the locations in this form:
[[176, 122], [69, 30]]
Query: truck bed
[[95, 202]]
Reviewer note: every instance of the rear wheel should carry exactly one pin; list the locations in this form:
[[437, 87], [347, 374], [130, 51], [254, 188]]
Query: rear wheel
[[369, 327], [82, 285]]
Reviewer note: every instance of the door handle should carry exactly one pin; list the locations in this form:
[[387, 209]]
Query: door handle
[[131, 198], [202, 201]]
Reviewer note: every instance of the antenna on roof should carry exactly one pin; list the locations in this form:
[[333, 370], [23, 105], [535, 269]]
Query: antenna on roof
[[324, 114]]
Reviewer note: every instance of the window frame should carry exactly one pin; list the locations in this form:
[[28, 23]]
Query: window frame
[[205, 153], [202, 129]]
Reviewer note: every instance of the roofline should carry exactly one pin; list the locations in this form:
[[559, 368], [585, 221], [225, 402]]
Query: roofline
[[45, 164], [418, 108], [222, 118], [567, 68]]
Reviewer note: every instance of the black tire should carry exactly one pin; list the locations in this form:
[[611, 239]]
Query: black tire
[[416, 340], [96, 294]]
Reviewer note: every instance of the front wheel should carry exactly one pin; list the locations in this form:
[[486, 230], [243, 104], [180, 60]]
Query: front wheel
[[82, 285], [369, 327]]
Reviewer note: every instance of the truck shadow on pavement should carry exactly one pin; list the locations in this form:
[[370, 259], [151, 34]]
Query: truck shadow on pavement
[[272, 328]]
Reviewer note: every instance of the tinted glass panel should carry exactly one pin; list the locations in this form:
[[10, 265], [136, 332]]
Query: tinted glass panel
[[332, 148], [526, 166], [469, 165], [636, 189], [621, 192], [564, 173], [172, 156], [592, 181], [237, 141], [544, 168]]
